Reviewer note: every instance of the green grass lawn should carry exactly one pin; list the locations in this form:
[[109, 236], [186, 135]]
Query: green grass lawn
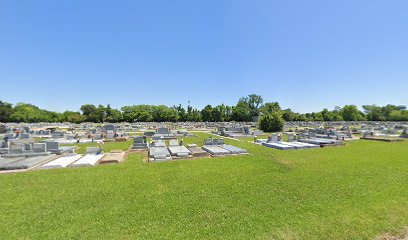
[[359, 191]]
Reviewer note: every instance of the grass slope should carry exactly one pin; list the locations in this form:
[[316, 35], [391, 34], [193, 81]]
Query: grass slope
[[354, 192]]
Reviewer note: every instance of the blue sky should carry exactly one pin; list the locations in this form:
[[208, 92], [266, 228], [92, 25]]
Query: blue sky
[[306, 55]]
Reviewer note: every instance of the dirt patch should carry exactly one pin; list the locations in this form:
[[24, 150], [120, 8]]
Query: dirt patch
[[403, 235]]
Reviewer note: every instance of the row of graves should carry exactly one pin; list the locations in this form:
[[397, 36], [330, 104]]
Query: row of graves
[[317, 124], [22, 156], [298, 142], [106, 133], [152, 126], [384, 136], [382, 131], [158, 150], [164, 133], [237, 131], [379, 131], [343, 133]]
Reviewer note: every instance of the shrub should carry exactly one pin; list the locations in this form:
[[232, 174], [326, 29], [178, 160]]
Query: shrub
[[271, 122]]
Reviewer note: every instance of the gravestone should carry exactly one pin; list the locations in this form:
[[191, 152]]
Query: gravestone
[[58, 135], [9, 136], [110, 135], [148, 133], [93, 150], [218, 141], [4, 144], [139, 143], [16, 149], [52, 145], [291, 137], [173, 142], [273, 138], [27, 147], [163, 131], [24, 136], [3, 128], [208, 141], [110, 128], [39, 147], [404, 133]]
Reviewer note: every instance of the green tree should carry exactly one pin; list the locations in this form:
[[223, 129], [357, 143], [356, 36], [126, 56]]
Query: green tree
[[240, 112], [270, 107], [181, 112], [6, 109], [398, 115], [137, 113], [374, 113], [72, 117], [193, 114], [272, 122], [207, 114], [388, 109], [108, 111], [101, 113], [252, 103], [351, 113], [163, 113], [114, 116], [218, 113], [90, 112]]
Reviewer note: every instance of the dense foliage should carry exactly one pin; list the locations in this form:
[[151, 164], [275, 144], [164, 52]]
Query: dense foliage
[[272, 122], [247, 109]]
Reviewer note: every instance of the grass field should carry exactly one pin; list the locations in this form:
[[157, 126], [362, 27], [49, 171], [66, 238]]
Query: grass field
[[108, 146], [359, 191]]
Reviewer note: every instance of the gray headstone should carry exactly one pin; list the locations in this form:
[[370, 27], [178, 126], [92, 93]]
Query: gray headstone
[[273, 138], [149, 133], [24, 136], [27, 147], [16, 149], [39, 147], [163, 131], [218, 141], [139, 139], [52, 145], [291, 137], [92, 150], [208, 142]]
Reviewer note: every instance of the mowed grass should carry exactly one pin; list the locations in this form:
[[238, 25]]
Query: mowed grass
[[359, 191], [107, 147]]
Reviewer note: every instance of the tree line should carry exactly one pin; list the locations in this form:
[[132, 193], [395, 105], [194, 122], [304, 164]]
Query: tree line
[[247, 109]]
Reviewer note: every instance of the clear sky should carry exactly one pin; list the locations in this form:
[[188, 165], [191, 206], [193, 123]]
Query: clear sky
[[306, 55]]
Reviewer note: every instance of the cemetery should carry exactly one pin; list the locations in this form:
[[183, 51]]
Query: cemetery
[[164, 141], [258, 120], [226, 163]]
